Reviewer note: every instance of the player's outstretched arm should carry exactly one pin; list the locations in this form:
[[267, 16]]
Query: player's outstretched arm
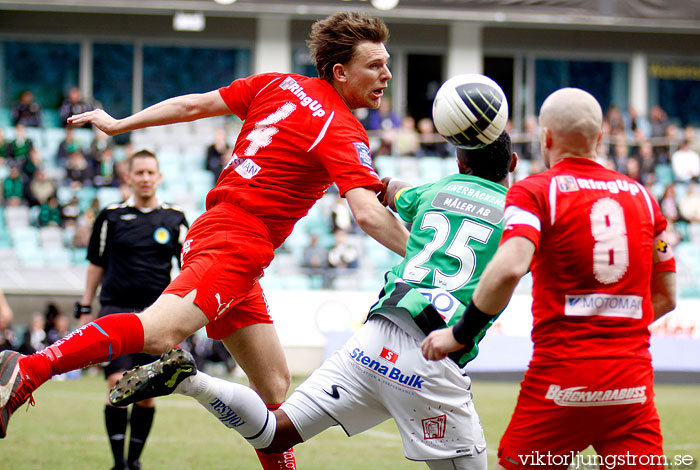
[[376, 221], [179, 109], [492, 294]]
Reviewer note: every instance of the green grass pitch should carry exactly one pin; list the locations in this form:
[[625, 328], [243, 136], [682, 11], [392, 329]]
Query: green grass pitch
[[65, 430]]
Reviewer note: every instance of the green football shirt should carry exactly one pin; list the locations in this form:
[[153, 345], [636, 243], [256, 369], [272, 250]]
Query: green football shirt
[[456, 226]]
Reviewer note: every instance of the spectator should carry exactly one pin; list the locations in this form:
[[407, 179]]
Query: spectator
[[690, 205], [103, 169], [78, 169], [8, 339], [315, 260], [4, 144], [83, 227], [635, 125], [67, 146], [71, 212], [35, 336], [41, 188], [432, 144], [382, 118], [100, 142], [669, 204], [632, 169], [658, 122], [50, 213], [690, 134], [61, 327], [686, 163], [647, 162], [31, 164], [26, 111], [615, 120], [526, 144], [52, 312], [620, 152], [341, 217], [13, 188], [73, 104], [18, 149], [218, 153], [343, 254], [407, 141], [670, 143]]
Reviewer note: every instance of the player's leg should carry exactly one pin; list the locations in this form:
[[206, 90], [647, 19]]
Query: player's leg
[[430, 401], [257, 350], [636, 441], [167, 322], [116, 419], [467, 462], [140, 419]]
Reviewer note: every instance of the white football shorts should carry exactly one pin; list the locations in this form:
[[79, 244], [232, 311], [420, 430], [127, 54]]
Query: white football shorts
[[380, 374]]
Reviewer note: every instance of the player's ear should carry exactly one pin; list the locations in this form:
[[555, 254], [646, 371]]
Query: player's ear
[[339, 73], [513, 162]]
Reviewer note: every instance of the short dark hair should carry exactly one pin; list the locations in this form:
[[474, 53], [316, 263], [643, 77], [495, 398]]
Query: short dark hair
[[490, 162], [333, 40], [141, 154]]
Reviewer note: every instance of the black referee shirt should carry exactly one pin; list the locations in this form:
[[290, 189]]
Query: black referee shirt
[[136, 249]]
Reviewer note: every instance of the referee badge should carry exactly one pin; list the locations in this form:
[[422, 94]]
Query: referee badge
[[161, 235]]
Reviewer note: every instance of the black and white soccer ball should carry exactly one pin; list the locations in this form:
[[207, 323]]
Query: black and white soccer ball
[[470, 111]]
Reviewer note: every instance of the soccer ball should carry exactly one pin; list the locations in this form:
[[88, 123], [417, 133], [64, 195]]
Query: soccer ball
[[470, 111]]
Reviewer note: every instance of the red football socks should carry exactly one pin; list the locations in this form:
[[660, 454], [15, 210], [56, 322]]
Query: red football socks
[[102, 340], [283, 461]]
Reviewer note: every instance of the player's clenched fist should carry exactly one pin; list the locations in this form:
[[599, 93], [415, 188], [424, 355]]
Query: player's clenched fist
[[439, 344]]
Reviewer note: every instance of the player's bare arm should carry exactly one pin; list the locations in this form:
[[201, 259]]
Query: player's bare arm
[[183, 108], [376, 221], [663, 293], [663, 283], [492, 294]]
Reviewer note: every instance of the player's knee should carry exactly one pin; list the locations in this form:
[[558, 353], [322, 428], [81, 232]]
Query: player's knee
[[273, 389]]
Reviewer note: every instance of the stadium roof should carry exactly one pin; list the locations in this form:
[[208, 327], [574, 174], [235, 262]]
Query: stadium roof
[[644, 15]]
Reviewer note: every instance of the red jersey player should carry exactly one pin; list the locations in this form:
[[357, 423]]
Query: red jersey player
[[602, 272], [299, 136]]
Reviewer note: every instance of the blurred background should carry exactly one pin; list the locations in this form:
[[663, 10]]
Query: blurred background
[[640, 59]]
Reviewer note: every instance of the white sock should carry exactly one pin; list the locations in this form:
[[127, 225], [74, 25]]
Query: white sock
[[236, 406]]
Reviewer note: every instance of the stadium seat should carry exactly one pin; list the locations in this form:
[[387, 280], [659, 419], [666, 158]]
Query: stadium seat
[[79, 255], [57, 257], [64, 195], [5, 117], [5, 239], [50, 118], [30, 256], [108, 195], [664, 173], [16, 216], [85, 196], [51, 238]]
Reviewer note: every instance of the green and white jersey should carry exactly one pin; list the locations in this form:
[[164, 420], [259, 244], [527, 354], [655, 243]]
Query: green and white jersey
[[456, 226]]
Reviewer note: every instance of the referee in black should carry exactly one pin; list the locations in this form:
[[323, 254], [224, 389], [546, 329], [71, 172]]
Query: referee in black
[[131, 250]]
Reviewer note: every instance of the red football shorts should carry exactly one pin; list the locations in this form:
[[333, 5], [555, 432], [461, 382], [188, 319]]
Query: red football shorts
[[223, 257], [565, 407]]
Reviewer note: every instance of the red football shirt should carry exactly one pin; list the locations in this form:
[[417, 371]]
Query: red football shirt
[[594, 230], [298, 137]]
